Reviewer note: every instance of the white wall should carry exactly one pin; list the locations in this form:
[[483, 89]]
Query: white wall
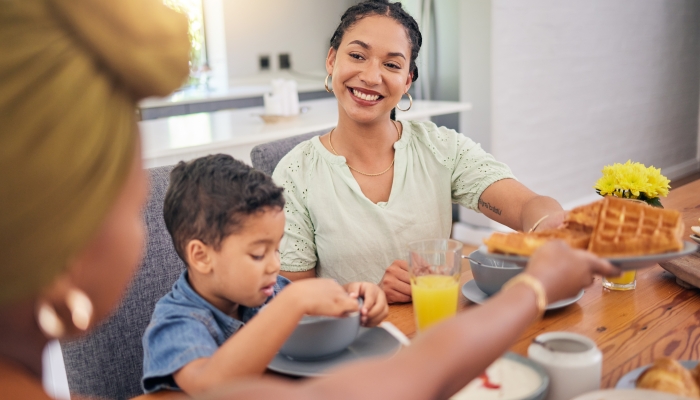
[[302, 28], [475, 69], [581, 84]]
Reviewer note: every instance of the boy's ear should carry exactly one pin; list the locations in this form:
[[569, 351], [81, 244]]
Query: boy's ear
[[199, 256]]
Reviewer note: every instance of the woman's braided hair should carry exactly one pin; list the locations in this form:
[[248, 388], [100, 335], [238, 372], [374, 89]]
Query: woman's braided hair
[[387, 9]]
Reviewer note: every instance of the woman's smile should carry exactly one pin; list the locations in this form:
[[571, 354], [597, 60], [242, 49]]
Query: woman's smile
[[370, 68], [365, 96]]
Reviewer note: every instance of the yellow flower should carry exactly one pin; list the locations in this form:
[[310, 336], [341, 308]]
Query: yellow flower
[[658, 184], [632, 180], [606, 184]]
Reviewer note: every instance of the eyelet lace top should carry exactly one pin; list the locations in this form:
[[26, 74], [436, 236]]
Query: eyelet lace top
[[331, 225]]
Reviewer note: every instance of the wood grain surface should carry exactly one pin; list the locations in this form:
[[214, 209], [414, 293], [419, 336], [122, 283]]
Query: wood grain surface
[[658, 318]]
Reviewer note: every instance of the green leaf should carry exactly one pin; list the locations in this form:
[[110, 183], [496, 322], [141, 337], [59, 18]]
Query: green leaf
[[656, 202]]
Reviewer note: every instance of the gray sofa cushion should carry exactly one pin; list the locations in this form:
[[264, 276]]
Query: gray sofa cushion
[[266, 156], [108, 363]]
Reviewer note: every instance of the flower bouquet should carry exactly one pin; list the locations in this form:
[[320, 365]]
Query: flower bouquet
[[633, 181]]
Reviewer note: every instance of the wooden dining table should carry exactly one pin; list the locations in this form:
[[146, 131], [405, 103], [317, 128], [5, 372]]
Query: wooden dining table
[[632, 328]]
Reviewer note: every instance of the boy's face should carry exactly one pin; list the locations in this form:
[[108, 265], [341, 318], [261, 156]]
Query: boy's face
[[245, 268]]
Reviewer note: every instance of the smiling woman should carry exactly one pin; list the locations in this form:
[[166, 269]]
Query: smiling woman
[[379, 184]]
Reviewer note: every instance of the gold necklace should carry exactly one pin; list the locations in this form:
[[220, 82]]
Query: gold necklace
[[330, 142]]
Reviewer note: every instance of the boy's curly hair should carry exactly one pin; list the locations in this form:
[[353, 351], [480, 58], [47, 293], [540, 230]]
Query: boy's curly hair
[[210, 197]]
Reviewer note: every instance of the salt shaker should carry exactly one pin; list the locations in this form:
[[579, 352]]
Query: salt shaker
[[574, 363]]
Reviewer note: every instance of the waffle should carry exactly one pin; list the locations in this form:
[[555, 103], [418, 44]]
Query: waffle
[[526, 243], [584, 218], [629, 228]]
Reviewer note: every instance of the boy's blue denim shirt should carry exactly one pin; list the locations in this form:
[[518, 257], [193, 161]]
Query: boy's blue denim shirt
[[185, 327]]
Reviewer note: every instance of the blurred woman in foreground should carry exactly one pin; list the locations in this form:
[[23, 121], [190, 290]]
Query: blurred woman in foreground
[[71, 232], [71, 179]]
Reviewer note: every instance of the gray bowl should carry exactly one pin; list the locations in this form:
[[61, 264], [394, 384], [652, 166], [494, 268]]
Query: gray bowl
[[318, 337], [490, 274]]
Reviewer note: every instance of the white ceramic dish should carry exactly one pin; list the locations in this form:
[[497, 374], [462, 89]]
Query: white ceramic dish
[[538, 393], [628, 394], [695, 238], [625, 263], [370, 342], [629, 379], [475, 295]]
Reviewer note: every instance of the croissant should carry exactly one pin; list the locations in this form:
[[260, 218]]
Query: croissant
[[668, 375]]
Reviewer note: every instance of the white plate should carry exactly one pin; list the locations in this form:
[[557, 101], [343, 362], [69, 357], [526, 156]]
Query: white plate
[[625, 263], [628, 381], [475, 295], [370, 342], [628, 394], [696, 238]]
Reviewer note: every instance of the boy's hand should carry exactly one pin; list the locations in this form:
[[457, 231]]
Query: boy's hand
[[323, 297], [375, 308]]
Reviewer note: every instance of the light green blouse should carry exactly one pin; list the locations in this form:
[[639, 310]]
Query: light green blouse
[[332, 226]]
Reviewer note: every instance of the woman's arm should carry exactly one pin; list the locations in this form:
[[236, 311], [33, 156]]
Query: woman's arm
[[512, 204], [295, 276], [464, 345]]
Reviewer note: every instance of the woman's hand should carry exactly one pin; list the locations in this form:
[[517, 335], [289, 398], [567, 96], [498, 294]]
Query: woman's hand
[[564, 271], [553, 221], [396, 283], [374, 307]]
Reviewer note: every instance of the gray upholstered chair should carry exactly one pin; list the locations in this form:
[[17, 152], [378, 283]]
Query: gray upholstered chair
[[108, 363], [266, 156]]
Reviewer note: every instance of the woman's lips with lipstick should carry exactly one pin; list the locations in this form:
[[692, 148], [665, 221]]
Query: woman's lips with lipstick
[[367, 96]]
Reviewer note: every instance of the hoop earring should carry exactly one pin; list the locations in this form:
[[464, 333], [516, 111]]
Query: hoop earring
[[48, 321], [80, 307], [410, 104], [81, 310], [326, 84]]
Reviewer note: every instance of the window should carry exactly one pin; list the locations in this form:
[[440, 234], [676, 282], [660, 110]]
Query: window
[[198, 52]]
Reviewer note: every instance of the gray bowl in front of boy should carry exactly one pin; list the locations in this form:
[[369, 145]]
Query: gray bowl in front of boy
[[317, 337], [490, 274]]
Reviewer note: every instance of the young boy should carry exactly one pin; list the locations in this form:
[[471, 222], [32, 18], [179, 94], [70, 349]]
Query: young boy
[[226, 220]]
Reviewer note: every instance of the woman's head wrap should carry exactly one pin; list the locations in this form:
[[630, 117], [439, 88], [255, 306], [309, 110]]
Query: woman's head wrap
[[71, 72]]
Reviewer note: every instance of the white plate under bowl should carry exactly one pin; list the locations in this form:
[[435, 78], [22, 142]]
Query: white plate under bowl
[[628, 394], [370, 342], [695, 238], [629, 379], [625, 263], [472, 292]]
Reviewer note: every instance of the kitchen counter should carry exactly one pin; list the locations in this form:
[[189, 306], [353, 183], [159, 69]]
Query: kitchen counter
[[241, 93], [169, 140]]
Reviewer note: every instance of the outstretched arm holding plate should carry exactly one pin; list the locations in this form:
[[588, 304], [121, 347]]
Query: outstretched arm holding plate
[[465, 344], [511, 203]]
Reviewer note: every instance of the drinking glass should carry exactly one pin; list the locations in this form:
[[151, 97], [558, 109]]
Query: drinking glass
[[434, 266], [626, 281]]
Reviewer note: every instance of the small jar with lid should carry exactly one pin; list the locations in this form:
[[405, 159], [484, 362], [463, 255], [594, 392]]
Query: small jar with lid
[[573, 362]]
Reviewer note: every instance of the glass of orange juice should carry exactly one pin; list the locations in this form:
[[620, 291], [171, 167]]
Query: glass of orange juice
[[626, 281], [434, 266]]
